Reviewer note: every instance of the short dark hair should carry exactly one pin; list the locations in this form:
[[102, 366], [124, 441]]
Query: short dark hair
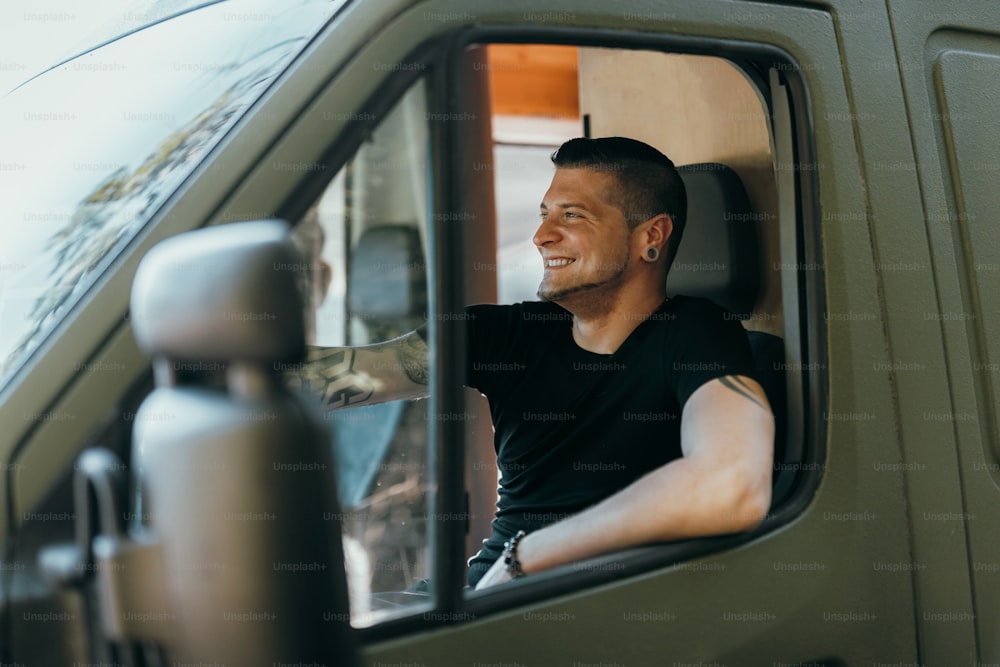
[[648, 182]]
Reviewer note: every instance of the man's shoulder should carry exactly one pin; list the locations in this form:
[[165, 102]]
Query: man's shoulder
[[698, 309], [701, 324]]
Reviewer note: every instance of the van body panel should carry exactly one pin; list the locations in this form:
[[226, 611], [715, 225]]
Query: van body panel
[[948, 61]]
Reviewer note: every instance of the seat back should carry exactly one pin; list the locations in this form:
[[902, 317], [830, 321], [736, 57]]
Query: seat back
[[382, 450], [387, 283], [387, 294], [718, 260], [235, 482]]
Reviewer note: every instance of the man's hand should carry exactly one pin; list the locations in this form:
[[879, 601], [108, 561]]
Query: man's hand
[[497, 574]]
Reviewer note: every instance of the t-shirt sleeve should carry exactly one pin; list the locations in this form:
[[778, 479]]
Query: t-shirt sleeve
[[711, 344]]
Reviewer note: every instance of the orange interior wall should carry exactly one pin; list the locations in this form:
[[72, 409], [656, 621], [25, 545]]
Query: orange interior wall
[[534, 80]]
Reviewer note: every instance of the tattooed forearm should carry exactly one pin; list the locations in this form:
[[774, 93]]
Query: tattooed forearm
[[330, 374], [741, 387], [412, 353], [348, 376]]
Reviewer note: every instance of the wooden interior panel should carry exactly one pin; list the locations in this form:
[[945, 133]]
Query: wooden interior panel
[[534, 80]]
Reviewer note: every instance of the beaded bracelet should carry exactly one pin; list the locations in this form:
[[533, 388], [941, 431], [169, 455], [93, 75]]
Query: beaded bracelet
[[512, 564]]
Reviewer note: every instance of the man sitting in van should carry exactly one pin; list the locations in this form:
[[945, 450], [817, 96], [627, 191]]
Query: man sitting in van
[[621, 417]]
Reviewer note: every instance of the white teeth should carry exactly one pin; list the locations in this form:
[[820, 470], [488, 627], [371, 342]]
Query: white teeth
[[557, 262]]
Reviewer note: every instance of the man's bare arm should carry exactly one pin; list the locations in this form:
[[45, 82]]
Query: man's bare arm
[[721, 485], [351, 376]]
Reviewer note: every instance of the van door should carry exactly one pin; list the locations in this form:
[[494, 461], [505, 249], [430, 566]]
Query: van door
[[835, 584], [950, 65]]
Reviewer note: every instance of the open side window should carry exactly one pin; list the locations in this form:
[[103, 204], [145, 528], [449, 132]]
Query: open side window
[[728, 121]]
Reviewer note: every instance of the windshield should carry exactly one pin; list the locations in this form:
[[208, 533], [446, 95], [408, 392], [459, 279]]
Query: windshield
[[92, 149], [39, 38]]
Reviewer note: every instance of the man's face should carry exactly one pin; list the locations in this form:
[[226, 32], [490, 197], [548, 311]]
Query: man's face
[[583, 239]]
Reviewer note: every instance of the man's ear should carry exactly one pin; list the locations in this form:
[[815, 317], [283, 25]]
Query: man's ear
[[658, 231]]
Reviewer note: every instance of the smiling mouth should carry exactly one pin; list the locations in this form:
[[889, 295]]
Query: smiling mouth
[[557, 263]]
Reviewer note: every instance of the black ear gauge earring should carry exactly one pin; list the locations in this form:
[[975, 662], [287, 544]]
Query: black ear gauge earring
[[652, 253]]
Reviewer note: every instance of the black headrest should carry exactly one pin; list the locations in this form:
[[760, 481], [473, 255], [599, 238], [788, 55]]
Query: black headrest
[[717, 258], [388, 274]]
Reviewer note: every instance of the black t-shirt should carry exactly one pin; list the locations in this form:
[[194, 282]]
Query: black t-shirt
[[573, 427]]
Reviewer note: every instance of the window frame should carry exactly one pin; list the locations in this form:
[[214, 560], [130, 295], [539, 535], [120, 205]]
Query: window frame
[[810, 299], [443, 56]]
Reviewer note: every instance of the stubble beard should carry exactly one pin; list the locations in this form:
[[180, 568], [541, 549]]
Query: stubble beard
[[600, 290]]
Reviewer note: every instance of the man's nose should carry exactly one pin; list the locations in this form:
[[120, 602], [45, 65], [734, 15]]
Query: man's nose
[[547, 232]]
